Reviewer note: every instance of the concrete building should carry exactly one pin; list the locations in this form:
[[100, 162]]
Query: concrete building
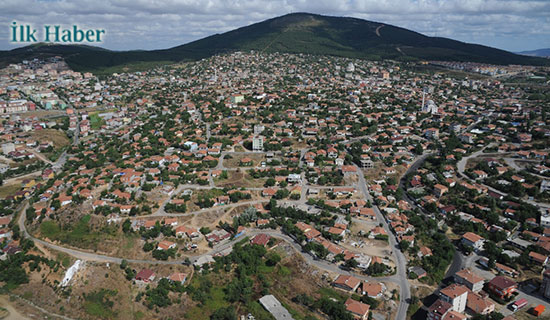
[[471, 280], [237, 98], [294, 178], [4, 168], [271, 304], [439, 309], [473, 240], [258, 143], [456, 295], [545, 219], [478, 304], [258, 129], [502, 287], [8, 147]]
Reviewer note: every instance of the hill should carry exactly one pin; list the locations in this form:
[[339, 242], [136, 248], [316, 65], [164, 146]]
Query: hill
[[537, 53], [292, 33]]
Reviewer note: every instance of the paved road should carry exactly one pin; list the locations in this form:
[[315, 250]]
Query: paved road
[[23, 176], [160, 210], [89, 256], [412, 168], [534, 298], [321, 264], [457, 264], [399, 258], [511, 162], [162, 213], [459, 260], [39, 156], [400, 278], [461, 167]]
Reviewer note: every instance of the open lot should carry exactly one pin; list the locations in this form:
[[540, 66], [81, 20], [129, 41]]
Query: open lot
[[9, 190], [235, 160], [57, 137], [240, 179]]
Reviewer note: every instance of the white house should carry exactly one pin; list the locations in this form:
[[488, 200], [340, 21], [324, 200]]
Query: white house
[[473, 240], [456, 295], [294, 178]]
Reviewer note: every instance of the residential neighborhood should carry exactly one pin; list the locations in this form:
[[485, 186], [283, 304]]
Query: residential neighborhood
[[283, 184]]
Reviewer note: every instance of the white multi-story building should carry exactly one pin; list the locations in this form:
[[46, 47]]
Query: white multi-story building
[[258, 143], [294, 178], [545, 218], [258, 129], [456, 295]]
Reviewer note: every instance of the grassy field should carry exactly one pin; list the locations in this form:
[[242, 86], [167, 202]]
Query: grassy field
[[59, 138], [64, 258], [79, 234], [99, 304], [215, 300], [235, 161], [96, 121], [9, 190], [240, 180], [43, 113], [282, 282]]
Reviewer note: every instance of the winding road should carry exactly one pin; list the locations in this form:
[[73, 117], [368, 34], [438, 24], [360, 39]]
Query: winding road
[[89, 256], [399, 258], [461, 165], [400, 278]]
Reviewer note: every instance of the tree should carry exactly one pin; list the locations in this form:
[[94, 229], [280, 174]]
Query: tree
[[334, 309], [404, 245], [351, 263], [56, 204], [281, 194], [224, 175], [148, 246], [491, 250], [370, 301], [418, 149], [273, 258], [227, 313], [376, 268], [31, 214], [492, 316], [270, 182], [127, 225], [159, 296], [431, 207]]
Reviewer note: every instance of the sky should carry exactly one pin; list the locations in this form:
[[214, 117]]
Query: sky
[[513, 25]]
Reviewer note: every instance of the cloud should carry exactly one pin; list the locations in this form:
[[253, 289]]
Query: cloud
[[152, 24]]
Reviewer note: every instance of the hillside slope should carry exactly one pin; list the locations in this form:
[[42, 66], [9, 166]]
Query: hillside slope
[[292, 33]]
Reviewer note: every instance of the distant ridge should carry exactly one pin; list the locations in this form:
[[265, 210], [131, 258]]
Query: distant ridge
[[537, 53], [291, 33]]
